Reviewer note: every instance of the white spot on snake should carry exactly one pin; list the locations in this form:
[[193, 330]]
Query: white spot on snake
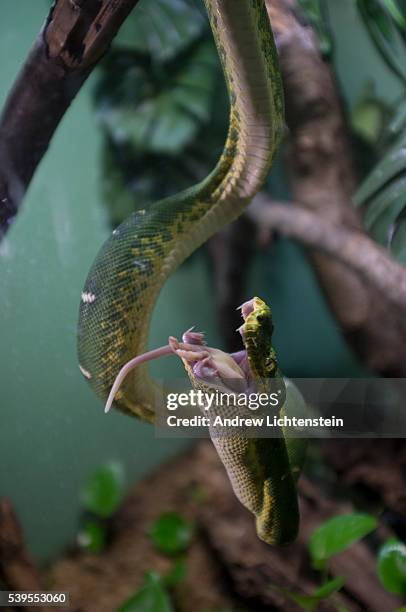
[[88, 298], [85, 373]]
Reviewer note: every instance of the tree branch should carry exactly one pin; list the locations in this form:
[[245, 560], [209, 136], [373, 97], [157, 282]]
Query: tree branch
[[75, 36], [323, 181], [351, 247]]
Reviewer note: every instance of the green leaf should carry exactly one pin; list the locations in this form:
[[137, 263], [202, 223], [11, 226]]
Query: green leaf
[[337, 534], [383, 32], [368, 115], [391, 165], [398, 240], [330, 587], [92, 537], [176, 574], [383, 229], [392, 194], [164, 112], [171, 533], [392, 566], [311, 602], [398, 121], [152, 597], [314, 12], [162, 28], [104, 491], [396, 13], [383, 193]]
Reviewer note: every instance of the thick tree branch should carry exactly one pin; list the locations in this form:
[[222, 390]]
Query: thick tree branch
[[351, 247], [74, 38]]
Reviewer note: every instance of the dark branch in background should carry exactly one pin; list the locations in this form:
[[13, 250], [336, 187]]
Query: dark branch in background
[[75, 36]]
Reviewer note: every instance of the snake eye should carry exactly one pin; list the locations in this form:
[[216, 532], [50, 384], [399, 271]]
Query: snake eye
[[260, 318]]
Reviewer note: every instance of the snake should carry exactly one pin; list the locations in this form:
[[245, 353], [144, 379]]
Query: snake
[[134, 263]]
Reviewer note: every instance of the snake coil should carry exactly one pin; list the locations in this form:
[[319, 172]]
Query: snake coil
[[132, 266]]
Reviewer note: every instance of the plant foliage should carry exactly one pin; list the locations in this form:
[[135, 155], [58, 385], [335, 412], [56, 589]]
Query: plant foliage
[[383, 194], [392, 567], [103, 492], [152, 597], [171, 533], [158, 90], [337, 534]]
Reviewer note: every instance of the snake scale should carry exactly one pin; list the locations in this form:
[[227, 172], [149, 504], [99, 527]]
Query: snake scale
[[132, 266]]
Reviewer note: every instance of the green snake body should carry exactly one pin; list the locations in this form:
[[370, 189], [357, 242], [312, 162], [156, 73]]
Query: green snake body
[[134, 263], [262, 471]]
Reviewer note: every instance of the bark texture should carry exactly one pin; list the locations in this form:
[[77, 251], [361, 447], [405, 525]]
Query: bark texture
[[351, 248], [75, 36]]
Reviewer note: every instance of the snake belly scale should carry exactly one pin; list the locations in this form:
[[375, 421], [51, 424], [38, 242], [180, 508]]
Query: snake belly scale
[[132, 266]]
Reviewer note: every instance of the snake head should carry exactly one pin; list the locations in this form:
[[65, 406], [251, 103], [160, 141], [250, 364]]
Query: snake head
[[210, 367], [256, 333], [232, 372]]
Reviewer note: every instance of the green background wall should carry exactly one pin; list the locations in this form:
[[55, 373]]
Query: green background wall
[[53, 432]]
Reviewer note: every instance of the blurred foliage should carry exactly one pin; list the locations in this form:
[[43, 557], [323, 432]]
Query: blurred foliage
[[386, 24], [337, 534], [100, 496], [383, 193], [159, 89], [171, 533], [370, 116], [313, 601], [392, 566], [317, 14], [177, 573], [103, 492], [152, 597], [92, 537]]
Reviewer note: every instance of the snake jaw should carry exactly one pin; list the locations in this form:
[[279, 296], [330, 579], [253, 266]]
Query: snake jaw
[[256, 333], [247, 308], [237, 371]]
